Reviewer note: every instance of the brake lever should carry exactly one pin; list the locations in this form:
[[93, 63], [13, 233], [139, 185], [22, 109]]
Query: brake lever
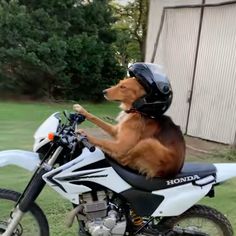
[[73, 149]]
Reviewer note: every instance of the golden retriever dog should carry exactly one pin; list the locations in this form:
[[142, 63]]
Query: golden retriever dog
[[153, 146]]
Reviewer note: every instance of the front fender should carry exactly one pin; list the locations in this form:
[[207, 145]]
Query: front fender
[[25, 159]]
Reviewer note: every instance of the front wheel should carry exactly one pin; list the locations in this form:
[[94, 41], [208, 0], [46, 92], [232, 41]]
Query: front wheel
[[33, 222], [201, 221]]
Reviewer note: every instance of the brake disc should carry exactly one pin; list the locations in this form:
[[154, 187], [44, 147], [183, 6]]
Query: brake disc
[[18, 231], [3, 226]]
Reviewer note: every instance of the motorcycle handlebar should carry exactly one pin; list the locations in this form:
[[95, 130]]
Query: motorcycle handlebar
[[76, 119], [69, 141], [87, 144]]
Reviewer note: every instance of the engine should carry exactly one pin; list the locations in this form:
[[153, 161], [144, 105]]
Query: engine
[[100, 216]]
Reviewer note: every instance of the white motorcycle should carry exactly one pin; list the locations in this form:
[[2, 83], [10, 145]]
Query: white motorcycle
[[107, 198]]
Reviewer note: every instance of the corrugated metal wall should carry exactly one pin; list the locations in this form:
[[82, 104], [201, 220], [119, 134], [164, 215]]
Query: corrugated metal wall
[[154, 19], [213, 108], [176, 52]]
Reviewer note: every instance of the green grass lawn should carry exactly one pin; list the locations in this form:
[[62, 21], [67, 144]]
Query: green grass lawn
[[18, 121]]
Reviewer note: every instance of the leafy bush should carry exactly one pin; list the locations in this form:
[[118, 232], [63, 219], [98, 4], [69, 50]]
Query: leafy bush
[[59, 49]]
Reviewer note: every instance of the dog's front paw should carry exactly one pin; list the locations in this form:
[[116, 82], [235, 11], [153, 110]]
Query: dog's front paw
[[124, 160], [78, 108], [81, 132]]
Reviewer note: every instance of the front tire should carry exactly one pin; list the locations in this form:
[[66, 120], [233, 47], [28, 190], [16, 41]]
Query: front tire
[[34, 221], [202, 219]]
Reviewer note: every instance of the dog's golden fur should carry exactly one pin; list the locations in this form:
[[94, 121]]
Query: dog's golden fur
[[154, 147]]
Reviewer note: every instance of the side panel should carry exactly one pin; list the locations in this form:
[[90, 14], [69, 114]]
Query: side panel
[[73, 178], [178, 199], [105, 177], [144, 203]]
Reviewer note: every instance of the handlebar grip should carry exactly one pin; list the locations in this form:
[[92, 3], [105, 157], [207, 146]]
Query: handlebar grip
[[87, 144]]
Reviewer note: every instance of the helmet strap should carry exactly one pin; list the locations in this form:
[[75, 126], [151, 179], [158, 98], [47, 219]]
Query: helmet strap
[[132, 110]]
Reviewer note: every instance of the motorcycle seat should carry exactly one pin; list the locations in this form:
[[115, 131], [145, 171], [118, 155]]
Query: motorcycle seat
[[189, 173]]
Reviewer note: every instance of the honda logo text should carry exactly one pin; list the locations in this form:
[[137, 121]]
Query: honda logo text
[[182, 180]]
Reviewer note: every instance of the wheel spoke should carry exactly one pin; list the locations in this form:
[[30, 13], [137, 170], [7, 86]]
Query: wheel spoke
[[28, 225], [200, 220], [201, 225], [33, 222]]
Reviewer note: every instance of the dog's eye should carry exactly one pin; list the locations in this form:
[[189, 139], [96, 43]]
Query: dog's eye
[[122, 87]]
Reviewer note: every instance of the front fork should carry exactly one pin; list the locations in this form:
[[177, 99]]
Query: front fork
[[30, 194]]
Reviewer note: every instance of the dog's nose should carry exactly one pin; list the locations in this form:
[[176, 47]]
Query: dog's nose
[[104, 92]]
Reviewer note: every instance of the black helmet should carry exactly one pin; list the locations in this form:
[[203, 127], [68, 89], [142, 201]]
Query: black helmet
[[157, 86]]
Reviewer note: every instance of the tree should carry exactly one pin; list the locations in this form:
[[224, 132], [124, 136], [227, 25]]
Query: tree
[[132, 30], [58, 48], [30, 51], [127, 49]]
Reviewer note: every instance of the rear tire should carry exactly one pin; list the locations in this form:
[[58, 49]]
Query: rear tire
[[35, 212], [206, 214]]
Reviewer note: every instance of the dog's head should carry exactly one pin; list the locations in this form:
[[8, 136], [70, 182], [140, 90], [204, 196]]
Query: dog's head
[[126, 91]]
